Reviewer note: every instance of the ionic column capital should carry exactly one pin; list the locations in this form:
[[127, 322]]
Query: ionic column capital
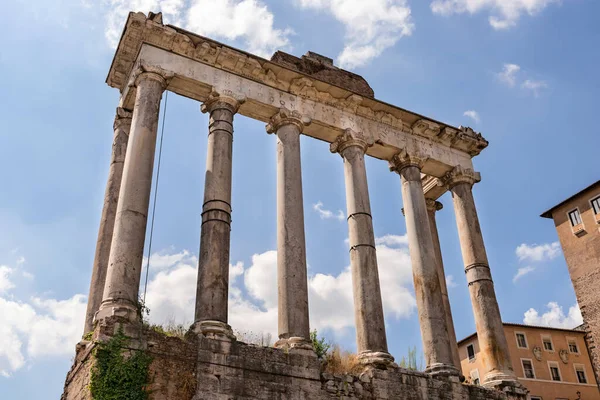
[[122, 117], [404, 159], [287, 117], [461, 175], [433, 205], [350, 138], [151, 72], [225, 99]]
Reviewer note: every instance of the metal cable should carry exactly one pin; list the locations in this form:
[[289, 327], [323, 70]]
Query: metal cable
[[162, 132]]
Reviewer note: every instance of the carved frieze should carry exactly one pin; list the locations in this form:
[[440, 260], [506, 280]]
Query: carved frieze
[[426, 128]]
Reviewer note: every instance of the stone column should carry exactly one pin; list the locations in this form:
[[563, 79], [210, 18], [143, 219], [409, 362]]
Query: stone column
[[121, 128], [213, 264], [294, 330], [371, 341], [127, 247], [488, 322], [433, 323], [432, 207]]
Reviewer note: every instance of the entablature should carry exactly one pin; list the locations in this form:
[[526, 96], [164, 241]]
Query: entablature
[[201, 66]]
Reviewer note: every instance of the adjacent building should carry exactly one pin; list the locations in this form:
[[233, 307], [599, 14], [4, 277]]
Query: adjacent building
[[553, 364], [577, 222]]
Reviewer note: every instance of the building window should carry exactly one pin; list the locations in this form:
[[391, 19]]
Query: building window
[[528, 369], [580, 371], [554, 371], [535, 398], [547, 342], [575, 217], [471, 352], [521, 340], [573, 346], [475, 377], [596, 205]]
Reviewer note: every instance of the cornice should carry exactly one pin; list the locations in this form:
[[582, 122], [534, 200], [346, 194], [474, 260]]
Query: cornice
[[140, 29]]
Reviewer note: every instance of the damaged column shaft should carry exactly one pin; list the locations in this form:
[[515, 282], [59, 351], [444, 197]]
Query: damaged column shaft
[[127, 247], [213, 268], [433, 323], [432, 207], [371, 341], [488, 322], [121, 128], [294, 330]]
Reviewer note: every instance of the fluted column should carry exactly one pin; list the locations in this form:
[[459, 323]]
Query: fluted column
[[371, 341], [294, 330], [125, 261], [121, 129], [213, 263], [488, 322], [432, 207], [434, 327]]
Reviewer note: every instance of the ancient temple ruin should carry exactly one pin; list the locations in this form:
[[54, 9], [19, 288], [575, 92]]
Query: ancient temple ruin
[[293, 96]]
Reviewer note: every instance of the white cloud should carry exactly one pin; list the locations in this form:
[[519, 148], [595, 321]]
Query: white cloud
[[450, 283], [508, 74], [171, 294], [392, 240], [5, 283], [534, 86], [521, 272], [328, 214], [119, 9], [37, 328], [505, 13], [371, 26], [249, 20], [253, 292], [554, 317], [27, 275], [541, 252], [474, 115], [164, 259]]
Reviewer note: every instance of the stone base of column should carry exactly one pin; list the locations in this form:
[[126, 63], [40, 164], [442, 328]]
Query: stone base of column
[[296, 344], [504, 382], [117, 309], [446, 370], [378, 359], [213, 330]]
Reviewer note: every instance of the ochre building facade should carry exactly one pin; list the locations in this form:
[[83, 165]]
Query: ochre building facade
[[577, 222], [553, 364]]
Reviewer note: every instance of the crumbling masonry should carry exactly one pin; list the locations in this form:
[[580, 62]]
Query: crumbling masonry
[[294, 96]]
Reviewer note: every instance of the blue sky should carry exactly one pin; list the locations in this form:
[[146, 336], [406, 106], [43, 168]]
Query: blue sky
[[524, 74]]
